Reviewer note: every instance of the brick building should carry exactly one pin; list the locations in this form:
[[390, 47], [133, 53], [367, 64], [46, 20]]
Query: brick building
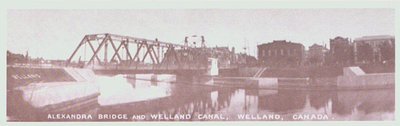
[[281, 53], [316, 54], [374, 49], [341, 51]]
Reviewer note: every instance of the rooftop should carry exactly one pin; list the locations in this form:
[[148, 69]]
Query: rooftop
[[317, 46], [374, 37], [280, 42]]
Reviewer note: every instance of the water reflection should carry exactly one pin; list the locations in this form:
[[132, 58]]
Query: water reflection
[[194, 99], [283, 101], [365, 101], [121, 90]]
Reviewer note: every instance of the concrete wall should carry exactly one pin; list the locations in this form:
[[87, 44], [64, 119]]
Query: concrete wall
[[21, 76], [377, 79], [248, 71], [81, 75], [156, 77], [267, 82], [356, 77], [247, 81]]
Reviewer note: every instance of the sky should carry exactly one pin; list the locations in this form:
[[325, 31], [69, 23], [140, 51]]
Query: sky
[[54, 34]]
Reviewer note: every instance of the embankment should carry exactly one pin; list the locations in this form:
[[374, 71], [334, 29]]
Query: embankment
[[34, 92], [22, 76]]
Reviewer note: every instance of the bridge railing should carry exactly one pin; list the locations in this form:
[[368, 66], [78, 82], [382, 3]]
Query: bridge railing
[[146, 67]]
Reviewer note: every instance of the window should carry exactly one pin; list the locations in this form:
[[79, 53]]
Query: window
[[282, 52], [263, 53]]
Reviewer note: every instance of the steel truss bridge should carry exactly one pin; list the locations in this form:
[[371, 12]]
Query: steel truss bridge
[[141, 55]]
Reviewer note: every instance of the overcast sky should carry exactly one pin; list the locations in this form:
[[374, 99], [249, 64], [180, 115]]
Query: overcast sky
[[54, 34]]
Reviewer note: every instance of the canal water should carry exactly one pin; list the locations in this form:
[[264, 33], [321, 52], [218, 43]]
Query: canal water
[[143, 99]]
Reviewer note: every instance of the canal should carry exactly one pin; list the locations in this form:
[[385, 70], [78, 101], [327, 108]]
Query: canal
[[180, 98], [142, 99]]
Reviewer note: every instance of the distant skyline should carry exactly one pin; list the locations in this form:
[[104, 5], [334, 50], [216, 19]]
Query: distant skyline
[[54, 34]]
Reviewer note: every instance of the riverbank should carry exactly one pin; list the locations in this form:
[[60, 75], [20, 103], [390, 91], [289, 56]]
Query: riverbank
[[283, 84], [364, 77], [302, 71]]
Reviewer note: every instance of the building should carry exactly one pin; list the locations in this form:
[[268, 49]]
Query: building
[[374, 49], [223, 54], [245, 60], [341, 51], [316, 54], [200, 55], [281, 53], [13, 58]]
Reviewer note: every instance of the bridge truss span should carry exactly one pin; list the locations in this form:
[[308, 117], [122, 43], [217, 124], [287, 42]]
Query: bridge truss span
[[132, 52]]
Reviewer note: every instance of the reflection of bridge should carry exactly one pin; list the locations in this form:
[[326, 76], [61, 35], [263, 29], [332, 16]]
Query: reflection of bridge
[[149, 55]]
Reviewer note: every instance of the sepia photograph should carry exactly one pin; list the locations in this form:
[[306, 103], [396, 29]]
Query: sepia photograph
[[200, 65]]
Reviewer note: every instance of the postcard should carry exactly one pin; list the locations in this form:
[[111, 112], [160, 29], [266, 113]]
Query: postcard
[[200, 65]]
